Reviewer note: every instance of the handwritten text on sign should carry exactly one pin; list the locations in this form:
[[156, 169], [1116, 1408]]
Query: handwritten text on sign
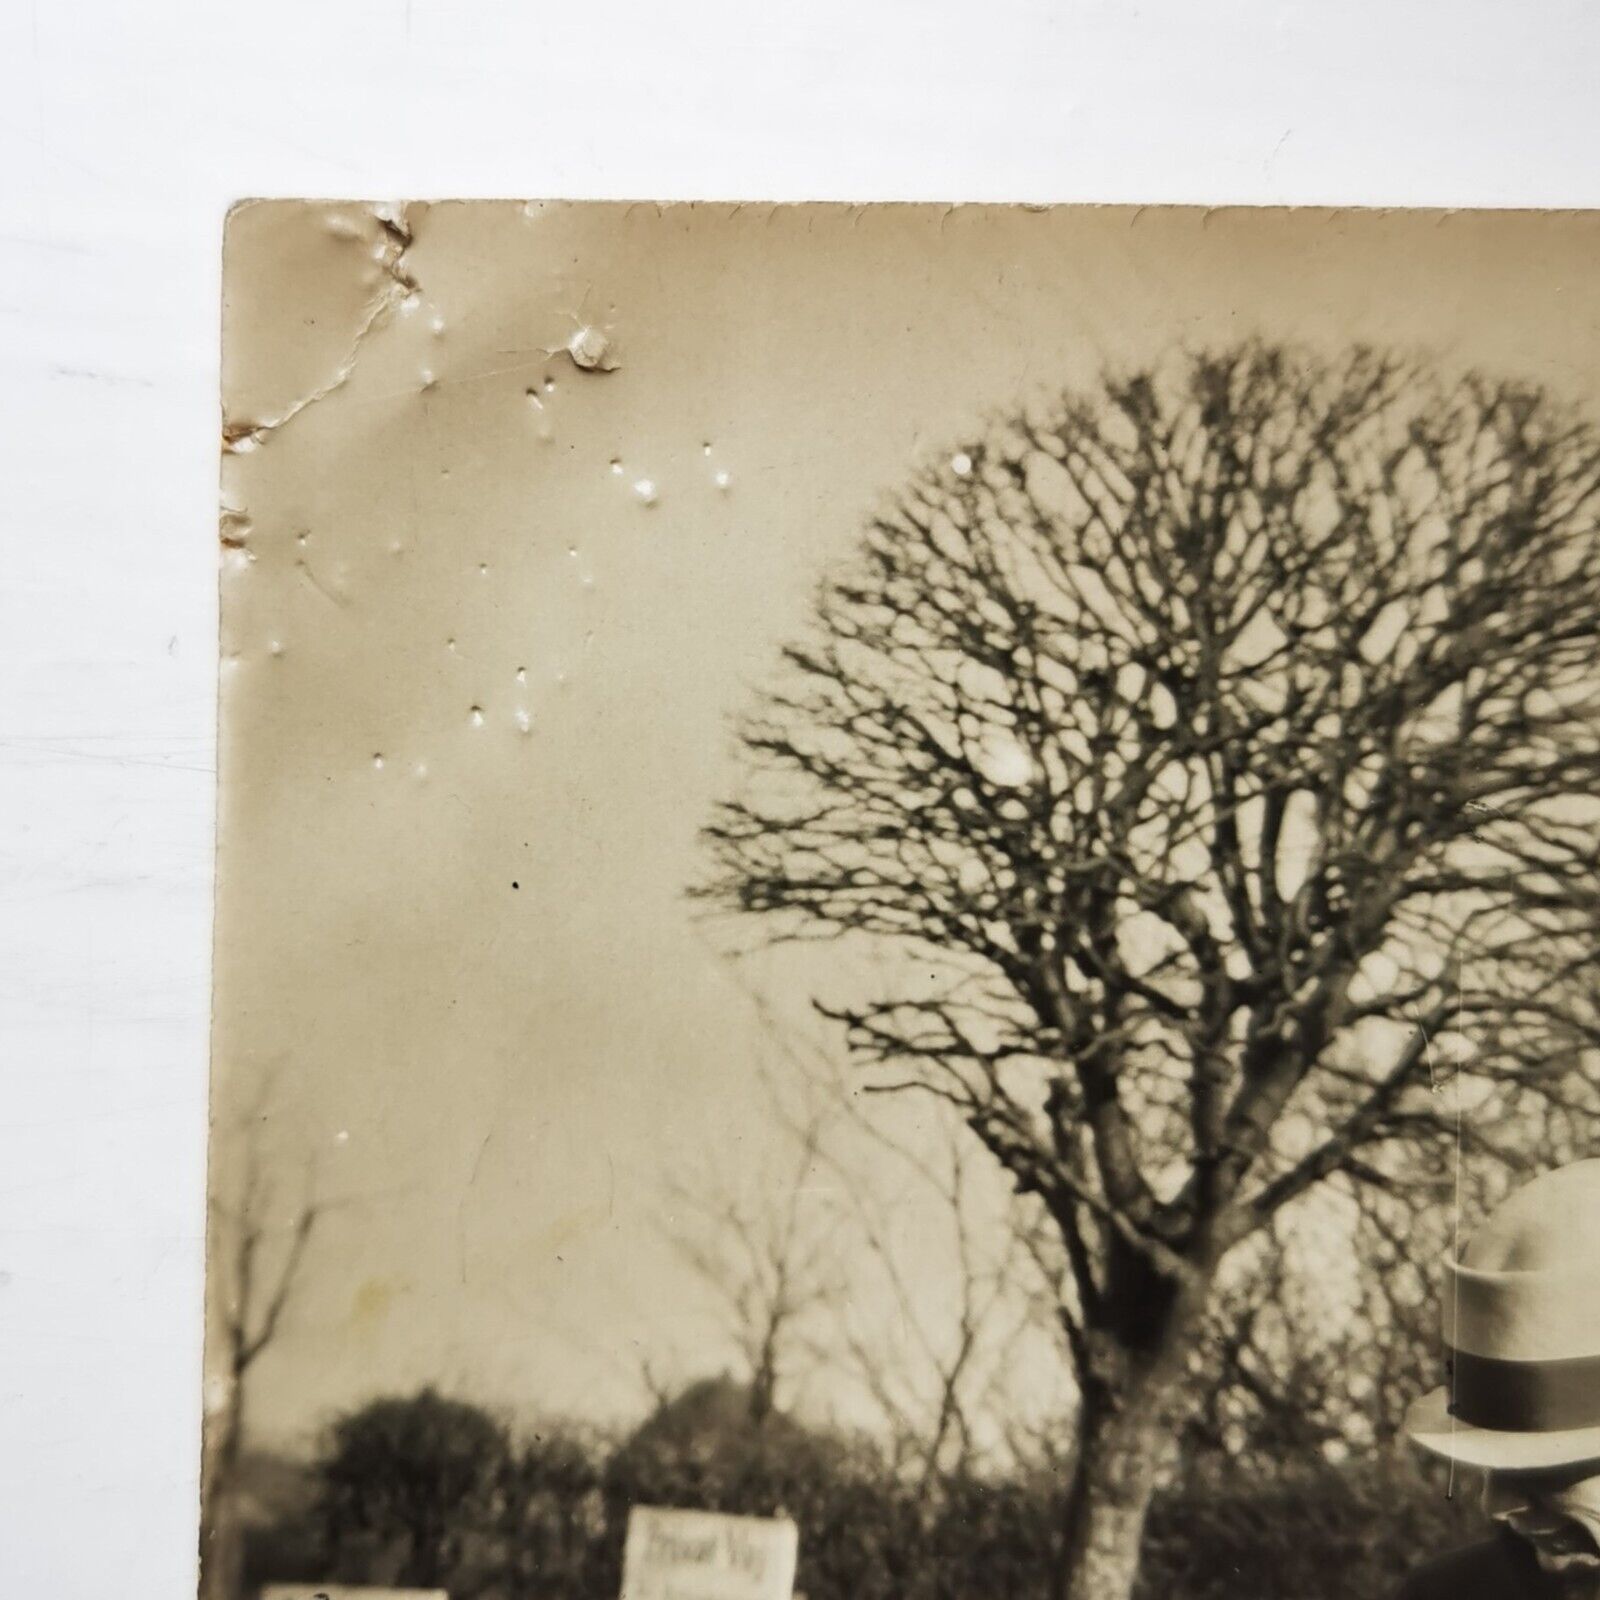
[[701, 1555]]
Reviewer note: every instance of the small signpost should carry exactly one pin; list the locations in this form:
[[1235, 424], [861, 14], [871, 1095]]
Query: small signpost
[[703, 1555]]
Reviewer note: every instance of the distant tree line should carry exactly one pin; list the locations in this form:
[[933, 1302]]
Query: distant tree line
[[429, 1491]]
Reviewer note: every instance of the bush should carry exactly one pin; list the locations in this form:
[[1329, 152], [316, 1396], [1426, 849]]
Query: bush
[[1312, 1531], [410, 1492]]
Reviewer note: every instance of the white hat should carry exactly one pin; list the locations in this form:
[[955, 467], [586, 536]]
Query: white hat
[[1522, 1327]]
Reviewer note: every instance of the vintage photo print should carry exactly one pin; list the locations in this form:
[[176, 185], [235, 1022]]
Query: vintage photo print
[[907, 904]]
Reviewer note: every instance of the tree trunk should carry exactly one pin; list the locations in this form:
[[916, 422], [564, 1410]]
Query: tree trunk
[[1114, 1477], [221, 1563], [1129, 1422]]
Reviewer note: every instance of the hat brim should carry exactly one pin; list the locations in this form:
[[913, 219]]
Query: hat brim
[[1429, 1424]]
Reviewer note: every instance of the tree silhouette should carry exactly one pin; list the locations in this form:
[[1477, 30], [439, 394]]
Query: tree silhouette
[[935, 1370], [254, 1256], [1218, 748], [770, 1261], [405, 1486]]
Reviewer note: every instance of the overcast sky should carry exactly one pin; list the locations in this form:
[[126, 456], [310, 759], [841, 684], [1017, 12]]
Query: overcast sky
[[484, 627]]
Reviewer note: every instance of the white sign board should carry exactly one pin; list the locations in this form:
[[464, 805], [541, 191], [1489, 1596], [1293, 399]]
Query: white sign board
[[345, 1591], [702, 1555]]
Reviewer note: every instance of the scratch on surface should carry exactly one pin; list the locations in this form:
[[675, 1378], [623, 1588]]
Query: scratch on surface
[[330, 595], [477, 1165], [1450, 1487], [239, 437], [1437, 1085]]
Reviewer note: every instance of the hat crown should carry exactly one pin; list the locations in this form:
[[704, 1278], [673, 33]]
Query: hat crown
[[1522, 1324], [1548, 1224]]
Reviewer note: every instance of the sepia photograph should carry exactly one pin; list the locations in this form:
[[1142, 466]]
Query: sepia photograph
[[907, 904]]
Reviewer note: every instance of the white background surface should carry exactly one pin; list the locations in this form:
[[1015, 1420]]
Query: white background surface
[[125, 130]]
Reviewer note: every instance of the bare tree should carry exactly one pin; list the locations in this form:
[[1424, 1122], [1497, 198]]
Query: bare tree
[[771, 1261], [253, 1262], [1207, 745], [940, 1383], [1320, 1333], [1287, 1371], [1293, 1363], [934, 1368]]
